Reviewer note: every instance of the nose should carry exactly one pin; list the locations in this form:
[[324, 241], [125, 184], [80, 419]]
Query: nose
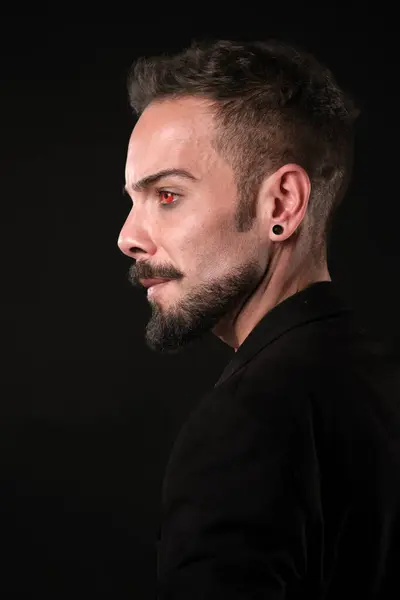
[[134, 238]]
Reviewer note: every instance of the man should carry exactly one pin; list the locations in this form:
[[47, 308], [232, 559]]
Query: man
[[284, 482]]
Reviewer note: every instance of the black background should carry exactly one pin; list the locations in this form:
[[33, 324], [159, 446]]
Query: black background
[[88, 413]]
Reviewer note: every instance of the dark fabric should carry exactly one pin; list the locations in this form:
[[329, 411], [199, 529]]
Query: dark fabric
[[284, 483]]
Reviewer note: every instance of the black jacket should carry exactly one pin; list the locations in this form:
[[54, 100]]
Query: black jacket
[[284, 482]]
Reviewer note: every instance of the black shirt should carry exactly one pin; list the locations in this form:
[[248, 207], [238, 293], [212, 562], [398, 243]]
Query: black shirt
[[284, 482]]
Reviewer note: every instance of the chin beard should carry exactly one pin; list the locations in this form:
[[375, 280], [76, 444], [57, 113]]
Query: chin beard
[[175, 328]]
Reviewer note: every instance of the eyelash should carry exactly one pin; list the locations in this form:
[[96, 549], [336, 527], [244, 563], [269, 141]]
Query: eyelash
[[163, 191]]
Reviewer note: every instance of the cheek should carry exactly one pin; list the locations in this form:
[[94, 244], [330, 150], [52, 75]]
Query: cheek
[[214, 252], [205, 244]]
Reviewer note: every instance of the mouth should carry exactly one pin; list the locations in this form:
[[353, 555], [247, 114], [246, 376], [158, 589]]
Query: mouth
[[148, 283]]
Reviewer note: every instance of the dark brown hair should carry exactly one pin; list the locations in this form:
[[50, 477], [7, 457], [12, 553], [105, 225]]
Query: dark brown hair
[[273, 104]]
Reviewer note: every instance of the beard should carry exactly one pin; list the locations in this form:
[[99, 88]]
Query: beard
[[171, 329]]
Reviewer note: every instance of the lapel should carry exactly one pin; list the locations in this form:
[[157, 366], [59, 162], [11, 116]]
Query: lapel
[[317, 301]]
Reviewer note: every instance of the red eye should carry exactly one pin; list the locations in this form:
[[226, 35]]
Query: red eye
[[167, 197]]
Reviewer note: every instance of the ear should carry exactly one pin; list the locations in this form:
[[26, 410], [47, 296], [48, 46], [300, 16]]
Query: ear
[[284, 200]]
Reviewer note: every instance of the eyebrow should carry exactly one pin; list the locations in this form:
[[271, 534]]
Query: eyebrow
[[145, 182]]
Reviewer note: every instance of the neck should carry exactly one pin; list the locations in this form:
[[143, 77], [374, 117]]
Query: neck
[[280, 282]]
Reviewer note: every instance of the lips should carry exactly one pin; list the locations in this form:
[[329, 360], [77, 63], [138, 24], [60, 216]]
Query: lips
[[150, 282]]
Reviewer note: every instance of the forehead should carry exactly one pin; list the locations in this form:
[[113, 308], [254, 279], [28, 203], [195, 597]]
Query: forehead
[[171, 133]]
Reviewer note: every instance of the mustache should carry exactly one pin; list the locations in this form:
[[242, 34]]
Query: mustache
[[143, 270]]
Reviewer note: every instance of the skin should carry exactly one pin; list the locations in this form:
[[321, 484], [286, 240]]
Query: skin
[[223, 280]]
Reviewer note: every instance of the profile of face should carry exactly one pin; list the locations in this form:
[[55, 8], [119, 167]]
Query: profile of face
[[182, 225]]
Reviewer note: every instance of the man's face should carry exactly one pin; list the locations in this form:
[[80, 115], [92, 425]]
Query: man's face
[[183, 229]]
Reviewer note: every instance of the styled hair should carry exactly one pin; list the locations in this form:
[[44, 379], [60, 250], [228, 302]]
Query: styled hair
[[273, 104]]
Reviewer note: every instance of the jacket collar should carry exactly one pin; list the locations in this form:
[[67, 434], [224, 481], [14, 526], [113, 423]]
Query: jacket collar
[[319, 300]]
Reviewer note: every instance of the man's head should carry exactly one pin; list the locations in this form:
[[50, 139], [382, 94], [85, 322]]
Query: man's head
[[264, 136]]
